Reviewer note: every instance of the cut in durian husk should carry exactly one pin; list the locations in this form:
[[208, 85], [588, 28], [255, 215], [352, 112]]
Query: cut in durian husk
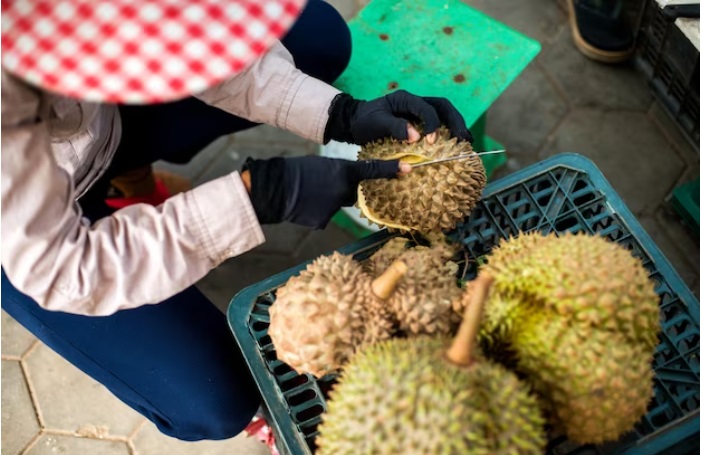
[[429, 198], [327, 312], [417, 397]]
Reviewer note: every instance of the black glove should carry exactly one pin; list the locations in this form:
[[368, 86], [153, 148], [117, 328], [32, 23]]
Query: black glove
[[361, 122], [309, 190]]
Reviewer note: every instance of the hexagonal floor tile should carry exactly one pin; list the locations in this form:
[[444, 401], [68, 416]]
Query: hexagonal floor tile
[[200, 162], [346, 8], [589, 83], [224, 282], [15, 338], [535, 18], [267, 134], [287, 246], [282, 238], [150, 441], [19, 421], [678, 259], [676, 242], [317, 243], [523, 116], [629, 150], [71, 400], [232, 158], [50, 444]]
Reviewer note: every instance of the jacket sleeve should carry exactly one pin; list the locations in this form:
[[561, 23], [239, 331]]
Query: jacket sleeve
[[140, 255], [275, 92]]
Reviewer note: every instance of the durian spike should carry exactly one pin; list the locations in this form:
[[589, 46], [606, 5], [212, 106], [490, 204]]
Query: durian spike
[[385, 284], [461, 352]]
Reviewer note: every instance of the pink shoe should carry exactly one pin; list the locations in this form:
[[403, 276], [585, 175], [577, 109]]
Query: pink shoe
[[259, 429]]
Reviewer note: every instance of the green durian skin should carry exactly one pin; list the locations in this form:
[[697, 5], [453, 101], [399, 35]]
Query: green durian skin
[[578, 317], [402, 396]]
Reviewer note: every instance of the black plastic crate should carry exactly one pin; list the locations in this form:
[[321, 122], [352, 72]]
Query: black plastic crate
[[563, 193], [671, 64]]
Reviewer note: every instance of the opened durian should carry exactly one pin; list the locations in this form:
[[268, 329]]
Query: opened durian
[[579, 318], [430, 198], [328, 311], [417, 397]]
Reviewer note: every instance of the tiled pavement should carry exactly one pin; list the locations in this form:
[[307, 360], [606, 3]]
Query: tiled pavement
[[561, 102]]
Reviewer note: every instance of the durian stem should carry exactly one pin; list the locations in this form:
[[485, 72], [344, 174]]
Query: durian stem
[[461, 352], [385, 284]]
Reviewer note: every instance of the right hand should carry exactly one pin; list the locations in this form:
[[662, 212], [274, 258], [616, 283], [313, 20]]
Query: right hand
[[360, 122]]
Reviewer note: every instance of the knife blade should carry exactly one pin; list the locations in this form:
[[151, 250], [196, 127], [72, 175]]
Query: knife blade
[[457, 157]]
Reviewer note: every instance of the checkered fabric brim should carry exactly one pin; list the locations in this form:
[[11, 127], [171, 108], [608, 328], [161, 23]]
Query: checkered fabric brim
[[122, 51]]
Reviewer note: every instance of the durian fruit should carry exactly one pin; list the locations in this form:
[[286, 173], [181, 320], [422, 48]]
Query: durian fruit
[[429, 198], [424, 297], [423, 300], [597, 384], [389, 252], [578, 316], [586, 278], [328, 311], [427, 395]]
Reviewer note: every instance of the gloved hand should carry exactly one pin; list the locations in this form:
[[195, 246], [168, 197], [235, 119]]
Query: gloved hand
[[361, 122], [309, 190]]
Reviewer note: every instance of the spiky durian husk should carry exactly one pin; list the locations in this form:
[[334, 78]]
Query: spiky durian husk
[[324, 314], [424, 298], [384, 257], [578, 316], [589, 280], [403, 396], [593, 384], [422, 302], [430, 198]]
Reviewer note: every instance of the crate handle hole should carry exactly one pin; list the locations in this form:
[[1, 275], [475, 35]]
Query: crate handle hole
[[309, 413]]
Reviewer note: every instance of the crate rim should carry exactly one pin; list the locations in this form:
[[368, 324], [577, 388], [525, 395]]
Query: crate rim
[[241, 304]]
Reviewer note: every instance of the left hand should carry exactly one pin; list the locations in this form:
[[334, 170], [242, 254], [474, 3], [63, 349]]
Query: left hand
[[309, 190], [361, 122]]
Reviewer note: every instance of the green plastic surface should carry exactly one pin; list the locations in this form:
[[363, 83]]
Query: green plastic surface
[[687, 203], [434, 48]]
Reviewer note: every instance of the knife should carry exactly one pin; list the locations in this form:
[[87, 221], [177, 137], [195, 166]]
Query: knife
[[457, 157]]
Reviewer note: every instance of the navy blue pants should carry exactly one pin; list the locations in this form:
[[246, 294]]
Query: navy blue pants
[[176, 362]]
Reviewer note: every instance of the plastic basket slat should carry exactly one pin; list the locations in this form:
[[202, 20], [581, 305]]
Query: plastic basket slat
[[564, 193]]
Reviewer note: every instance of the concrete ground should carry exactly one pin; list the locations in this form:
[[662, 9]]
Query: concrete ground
[[561, 102]]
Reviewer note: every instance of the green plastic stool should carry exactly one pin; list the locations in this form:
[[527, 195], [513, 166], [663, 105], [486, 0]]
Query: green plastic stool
[[686, 201], [435, 48]]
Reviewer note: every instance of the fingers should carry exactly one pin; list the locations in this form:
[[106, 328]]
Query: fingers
[[451, 117], [403, 103], [379, 169], [413, 134]]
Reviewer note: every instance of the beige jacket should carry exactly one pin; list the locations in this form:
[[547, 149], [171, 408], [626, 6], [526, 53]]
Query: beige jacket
[[55, 148]]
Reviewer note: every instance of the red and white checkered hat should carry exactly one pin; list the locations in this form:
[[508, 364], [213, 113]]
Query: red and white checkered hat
[[145, 51]]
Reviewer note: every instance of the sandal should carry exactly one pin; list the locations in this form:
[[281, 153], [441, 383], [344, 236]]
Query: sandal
[[260, 430], [599, 31], [144, 186]]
